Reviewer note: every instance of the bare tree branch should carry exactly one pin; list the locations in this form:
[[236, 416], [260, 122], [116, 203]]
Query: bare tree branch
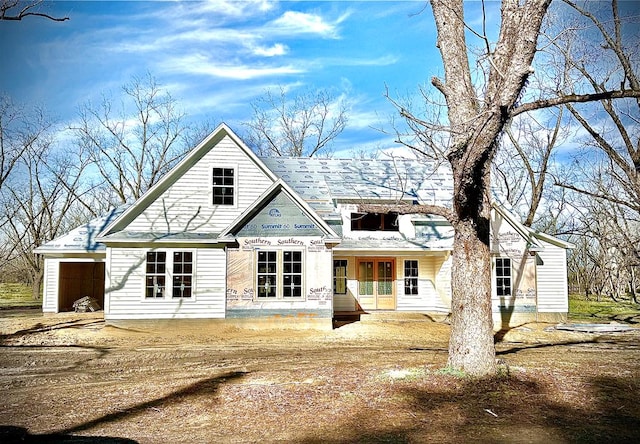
[[9, 11], [575, 98]]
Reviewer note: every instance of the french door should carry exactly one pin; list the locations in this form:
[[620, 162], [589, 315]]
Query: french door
[[376, 284]]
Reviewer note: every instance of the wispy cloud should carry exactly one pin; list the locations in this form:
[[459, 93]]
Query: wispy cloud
[[203, 65], [298, 23], [362, 61]]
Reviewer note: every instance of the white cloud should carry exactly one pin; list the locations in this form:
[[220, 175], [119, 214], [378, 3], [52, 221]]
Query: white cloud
[[294, 22], [203, 65], [275, 50], [223, 35], [188, 10]]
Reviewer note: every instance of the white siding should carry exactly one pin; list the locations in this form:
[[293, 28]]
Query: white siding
[[125, 291], [187, 204], [427, 294], [443, 284], [552, 280], [319, 279], [50, 290]]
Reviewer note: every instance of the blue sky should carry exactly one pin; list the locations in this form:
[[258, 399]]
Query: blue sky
[[216, 57]]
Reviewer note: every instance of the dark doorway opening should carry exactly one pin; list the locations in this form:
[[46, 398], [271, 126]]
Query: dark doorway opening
[[80, 279]]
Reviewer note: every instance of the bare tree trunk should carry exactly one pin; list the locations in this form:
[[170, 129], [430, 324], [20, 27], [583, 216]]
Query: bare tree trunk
[[476, 126], [36, 284], [471, 345]]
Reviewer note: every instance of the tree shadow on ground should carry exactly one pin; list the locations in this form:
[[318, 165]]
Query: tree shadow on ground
[[12, 434], [506, 409], [608, 340], [41, 328], [206, 386]]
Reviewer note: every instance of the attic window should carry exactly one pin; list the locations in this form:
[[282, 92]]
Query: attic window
[[223, 186], [374, 222]]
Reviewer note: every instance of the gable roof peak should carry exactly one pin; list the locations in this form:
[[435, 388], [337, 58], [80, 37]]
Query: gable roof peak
[[188, 161]]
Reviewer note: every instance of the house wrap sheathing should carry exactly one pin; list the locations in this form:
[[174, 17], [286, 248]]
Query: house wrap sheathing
[[226, 234]]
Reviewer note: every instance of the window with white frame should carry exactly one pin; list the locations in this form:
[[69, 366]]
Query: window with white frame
[[182, 274], [223, 186], [175, 268], [292, 274], [340, 276], [411, 277], [155, 274], [267, 274], [503, 276], [279, 274]]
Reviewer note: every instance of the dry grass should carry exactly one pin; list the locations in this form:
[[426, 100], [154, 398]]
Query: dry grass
[[70, 378]]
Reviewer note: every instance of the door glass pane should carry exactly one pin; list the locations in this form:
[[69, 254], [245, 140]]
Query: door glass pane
[[365, 282], [385, 278]]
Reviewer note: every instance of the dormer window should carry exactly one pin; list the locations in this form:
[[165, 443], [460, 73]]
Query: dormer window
[[374, 222], [223, 186]]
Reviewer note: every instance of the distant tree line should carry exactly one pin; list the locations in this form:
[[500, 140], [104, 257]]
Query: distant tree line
[[502, 116]]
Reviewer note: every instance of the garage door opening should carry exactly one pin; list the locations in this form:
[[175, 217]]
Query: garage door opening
[[80, 279]]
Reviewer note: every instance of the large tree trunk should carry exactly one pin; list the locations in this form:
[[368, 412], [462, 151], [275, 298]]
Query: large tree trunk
[[476, 124], [471, 346]]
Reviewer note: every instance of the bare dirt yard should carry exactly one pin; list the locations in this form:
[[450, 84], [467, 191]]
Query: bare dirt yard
[[72, 378]]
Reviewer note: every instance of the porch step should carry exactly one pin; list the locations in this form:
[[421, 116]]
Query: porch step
[[400, 316]]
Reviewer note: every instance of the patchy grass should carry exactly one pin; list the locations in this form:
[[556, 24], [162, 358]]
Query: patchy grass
[[605, 310], [71, 377], [16, 295]]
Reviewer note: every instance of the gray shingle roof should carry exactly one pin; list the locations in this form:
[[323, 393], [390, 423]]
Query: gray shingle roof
[[320, 181], [82, 238]]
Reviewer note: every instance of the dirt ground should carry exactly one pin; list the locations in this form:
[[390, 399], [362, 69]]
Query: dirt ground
[[72, 378]]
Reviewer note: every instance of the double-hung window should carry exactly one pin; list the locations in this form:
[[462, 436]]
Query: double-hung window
[[169, 274], [503, 276], [267, 274], [223, 186], [156, 273], [292, 274], [279, 274], [182, 274], [411, 277], [340, 276]]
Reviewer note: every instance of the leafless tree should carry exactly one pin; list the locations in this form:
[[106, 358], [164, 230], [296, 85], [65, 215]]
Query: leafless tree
[[611, 127], [304, 125], [36, 201], [20, 130], [524, 163], [476, 118], [17, 10], [134, 142], [606, 261]]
